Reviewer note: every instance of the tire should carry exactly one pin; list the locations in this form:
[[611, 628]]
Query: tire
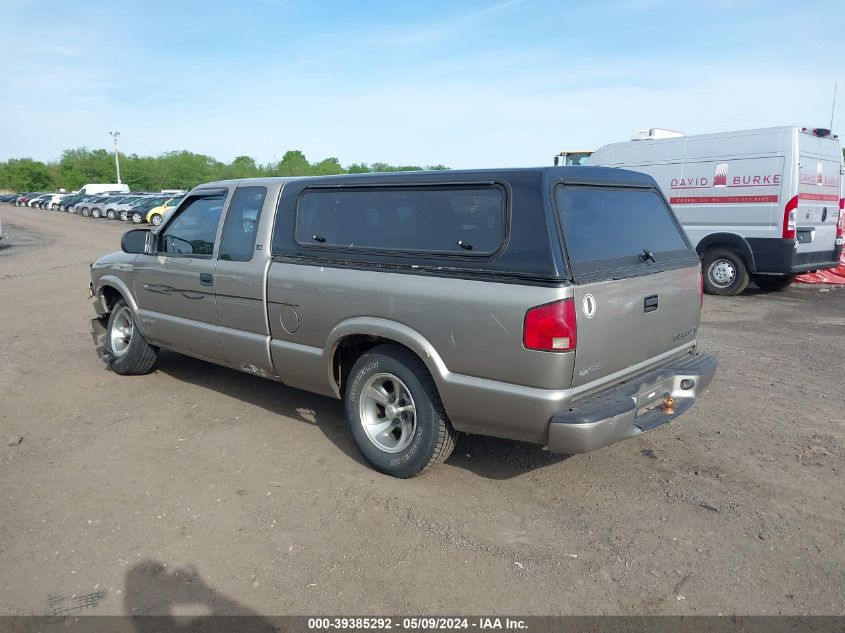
[[123, 216], [128, 355], [110, 214], [137, 218], [421, 437], [155, 220], [85, 211], [774, 283], [54, 207], [725, 273], [95, 213]]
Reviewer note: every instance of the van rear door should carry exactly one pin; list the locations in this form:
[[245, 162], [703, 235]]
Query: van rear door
[[637, 280], [819, 190]]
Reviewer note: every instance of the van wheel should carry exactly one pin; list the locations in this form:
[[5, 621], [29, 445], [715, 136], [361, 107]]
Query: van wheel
[[127, 351], [395, 413], [774, 283], [724, 272]]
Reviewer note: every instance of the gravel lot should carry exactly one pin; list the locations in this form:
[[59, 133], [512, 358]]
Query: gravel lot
[[199, 489]]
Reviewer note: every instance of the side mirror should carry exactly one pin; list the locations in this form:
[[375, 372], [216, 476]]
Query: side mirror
[[138, 242]]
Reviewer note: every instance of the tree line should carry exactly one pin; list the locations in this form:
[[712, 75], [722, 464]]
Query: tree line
[[172, 170]]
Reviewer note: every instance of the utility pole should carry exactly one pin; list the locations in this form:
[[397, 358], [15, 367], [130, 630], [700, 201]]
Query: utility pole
[[114, 135]]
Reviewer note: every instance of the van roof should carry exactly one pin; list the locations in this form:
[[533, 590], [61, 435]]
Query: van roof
[[574, 174], [731, 133]]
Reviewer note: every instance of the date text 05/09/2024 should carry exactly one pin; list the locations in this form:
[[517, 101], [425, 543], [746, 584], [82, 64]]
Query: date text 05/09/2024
[[415, 623]]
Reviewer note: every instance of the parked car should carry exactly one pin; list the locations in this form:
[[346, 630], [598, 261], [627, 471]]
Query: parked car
[[554, 305], [35, 201], [123, 208], [100, 188], [21, 201], [138, 213], [99, 209], [112, 207], [8, 197], [759, 205], [157, 214]]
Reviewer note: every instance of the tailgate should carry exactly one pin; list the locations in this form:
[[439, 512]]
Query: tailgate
[[634, 320], [637, 279]]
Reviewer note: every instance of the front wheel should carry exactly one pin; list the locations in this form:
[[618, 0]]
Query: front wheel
[[724, 272], [137, 218], [110, 214], [127, 351], [395, 414], [95, 213], [774, 283]]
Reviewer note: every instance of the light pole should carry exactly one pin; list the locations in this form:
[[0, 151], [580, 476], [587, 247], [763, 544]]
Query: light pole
[[114, 135]]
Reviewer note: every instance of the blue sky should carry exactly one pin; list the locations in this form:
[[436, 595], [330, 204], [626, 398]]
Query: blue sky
[[480, 83]]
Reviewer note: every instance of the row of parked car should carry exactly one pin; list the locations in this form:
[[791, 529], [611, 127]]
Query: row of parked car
[[137, 207]]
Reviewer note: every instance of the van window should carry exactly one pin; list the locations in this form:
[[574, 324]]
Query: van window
[[465, 220], [239, 229], [616, 227]]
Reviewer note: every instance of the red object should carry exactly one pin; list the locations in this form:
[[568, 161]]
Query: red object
[[789, 212], [829, 276], [551, 327]]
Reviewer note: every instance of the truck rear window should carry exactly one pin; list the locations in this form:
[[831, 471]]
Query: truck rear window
[[465, 220], [617, 227]]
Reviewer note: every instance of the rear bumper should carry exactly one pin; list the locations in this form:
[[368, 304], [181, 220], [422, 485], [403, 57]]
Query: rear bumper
[[779, 256], [630, 409]]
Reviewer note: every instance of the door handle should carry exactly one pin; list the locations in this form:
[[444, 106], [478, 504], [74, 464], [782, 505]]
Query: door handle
[[206, 279]]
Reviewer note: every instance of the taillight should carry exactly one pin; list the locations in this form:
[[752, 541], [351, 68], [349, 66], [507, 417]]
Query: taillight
[[840, 224], [790, 211], [551, 327]]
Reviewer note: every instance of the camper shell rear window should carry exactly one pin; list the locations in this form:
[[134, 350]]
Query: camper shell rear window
[[613, 232]]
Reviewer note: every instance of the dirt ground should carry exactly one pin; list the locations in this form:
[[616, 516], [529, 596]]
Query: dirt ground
[[198, 489]]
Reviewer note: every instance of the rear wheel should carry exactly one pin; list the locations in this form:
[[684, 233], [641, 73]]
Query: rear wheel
[[774, 283], [123, 216], [137, 218], [95, 213], [86, 212], [724, 272], [156, 219], [110, 214], [128, 352], [395, 413]]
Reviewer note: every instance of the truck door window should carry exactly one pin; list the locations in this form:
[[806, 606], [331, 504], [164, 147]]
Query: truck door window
[[239, 228], [194, 231]]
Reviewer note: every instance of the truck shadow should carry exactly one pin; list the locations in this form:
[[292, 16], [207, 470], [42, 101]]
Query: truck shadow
[[177, 599], [310, 408], [488, 457]]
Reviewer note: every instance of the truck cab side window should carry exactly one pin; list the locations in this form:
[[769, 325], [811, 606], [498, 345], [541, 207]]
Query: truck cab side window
[[194, 231], [241, 224]]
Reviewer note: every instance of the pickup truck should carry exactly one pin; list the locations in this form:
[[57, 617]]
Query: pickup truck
[[555, 305]]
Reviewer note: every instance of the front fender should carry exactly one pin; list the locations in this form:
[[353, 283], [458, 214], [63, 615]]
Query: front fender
[[118, 284]]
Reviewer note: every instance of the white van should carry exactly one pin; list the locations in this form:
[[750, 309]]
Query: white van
[[95, 188], [758, 205]]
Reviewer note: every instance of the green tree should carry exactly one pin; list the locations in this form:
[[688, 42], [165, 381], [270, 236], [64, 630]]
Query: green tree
[[179, 169], [25, 174]]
